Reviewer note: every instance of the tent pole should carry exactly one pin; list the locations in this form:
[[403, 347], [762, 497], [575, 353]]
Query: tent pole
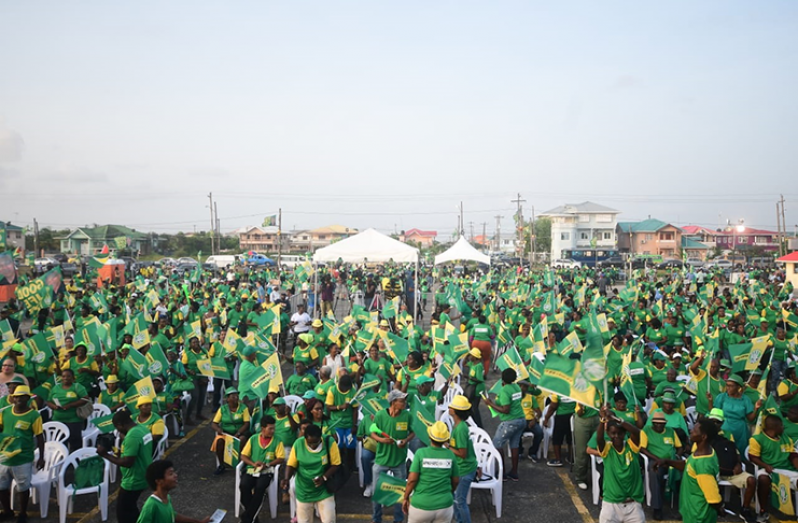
[[315, 292], [416, 294]]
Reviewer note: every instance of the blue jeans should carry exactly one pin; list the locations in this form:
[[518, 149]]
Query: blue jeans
[[537, 430], [399, 472], [462, 514], [367, 462]]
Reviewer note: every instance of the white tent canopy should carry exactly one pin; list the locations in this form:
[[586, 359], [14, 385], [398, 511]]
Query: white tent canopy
[[462, 251], [368, 245]]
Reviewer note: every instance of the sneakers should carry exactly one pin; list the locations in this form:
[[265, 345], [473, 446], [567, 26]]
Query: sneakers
[[510, 476], [748, 515], [763, 517], [554, 463], [367, 493], [219, 470], [532, 458], [582, 485]]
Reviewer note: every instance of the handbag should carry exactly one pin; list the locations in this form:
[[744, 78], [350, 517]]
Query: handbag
[[336, 481], [85, 410], [186, 385]]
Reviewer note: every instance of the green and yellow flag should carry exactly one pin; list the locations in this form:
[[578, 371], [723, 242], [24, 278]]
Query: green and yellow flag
[[232, 449], [569, 378], [780, 494], [388, 490]]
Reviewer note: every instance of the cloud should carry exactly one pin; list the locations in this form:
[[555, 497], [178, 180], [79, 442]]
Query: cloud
[[11, 145]]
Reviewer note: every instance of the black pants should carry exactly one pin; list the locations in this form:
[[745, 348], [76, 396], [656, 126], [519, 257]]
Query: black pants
[[252, 491], [127, 508], [75, 441]]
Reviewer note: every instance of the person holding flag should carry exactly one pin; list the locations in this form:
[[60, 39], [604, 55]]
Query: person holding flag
[[391, 430], [191, 356], [231, 419], [773, 452]]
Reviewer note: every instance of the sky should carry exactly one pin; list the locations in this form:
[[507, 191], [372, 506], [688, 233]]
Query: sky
[[389, 114]]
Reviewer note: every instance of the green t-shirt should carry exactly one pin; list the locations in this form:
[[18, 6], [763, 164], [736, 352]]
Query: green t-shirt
[[112, 400], [622, 477], [390, 455], [661, 445], [156, 510], [61, 396], [774, 452], [461, 439], [137, 443], [323, 388], [25, 427], [311, 464], [256, 452], [378, 367], [230, 422], [476, 376], [84, 378], [693, 503], [299, 385], [511, 395], [481, 332], [341, 418], [245, 373], [283, 431], [435, 467]]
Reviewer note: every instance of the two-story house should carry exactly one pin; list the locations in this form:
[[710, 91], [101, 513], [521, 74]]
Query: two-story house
[[12, 235], [650, 236], [261, 239], [583, 231], [422, 238], [321, 237]]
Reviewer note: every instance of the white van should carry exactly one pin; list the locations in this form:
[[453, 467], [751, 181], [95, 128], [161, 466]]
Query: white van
[[222, 261], [290, 260]]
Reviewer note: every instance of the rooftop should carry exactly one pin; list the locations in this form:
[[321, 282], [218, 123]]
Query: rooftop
[[792, 257], [650, 225], [107, 232], [334, 229], [419, 232], [8, 226], [689, 243], [584, 208]]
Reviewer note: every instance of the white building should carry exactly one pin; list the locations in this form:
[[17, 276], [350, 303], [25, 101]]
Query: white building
[[583, 230]]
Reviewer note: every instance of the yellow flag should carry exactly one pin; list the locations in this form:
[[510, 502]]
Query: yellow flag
[[272, 366], [141, 339]]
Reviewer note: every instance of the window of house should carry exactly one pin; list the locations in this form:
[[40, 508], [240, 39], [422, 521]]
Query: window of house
[[604, 218], [742, 239], [584, 218], [565, 236], [648, 237], [666, 236], [583, 236], [607, 236]]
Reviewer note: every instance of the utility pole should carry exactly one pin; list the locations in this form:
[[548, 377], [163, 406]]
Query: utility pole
[[279, 239], [519, 224], [533, 237], [497, 236], [784, 229], [36, 238], [462, 224], [485, 234], [216, 228], [210, 200], [778, 226]]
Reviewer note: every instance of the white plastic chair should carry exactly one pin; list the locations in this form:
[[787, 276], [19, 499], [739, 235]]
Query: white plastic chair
[[55, 431], [447, 419], [66, 492], [163, 443], [478, 435], [91, 432], [691, 417], [359, 463], [595, 478], [271, 491], [443, 407], [293, 402], [490, 461], [646, 478], [42, 482]]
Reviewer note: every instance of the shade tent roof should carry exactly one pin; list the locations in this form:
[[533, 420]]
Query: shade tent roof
[[368, 245], [462, 251]]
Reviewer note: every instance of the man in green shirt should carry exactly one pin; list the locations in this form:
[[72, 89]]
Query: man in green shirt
[[658, 442], [623, 482], [511, 414], [25, 423], [136, 456], [772, 451], [391, 430], [162, 479]]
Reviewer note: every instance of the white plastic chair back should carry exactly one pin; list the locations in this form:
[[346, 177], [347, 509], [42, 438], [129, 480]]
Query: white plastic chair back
[[43, 480], [489, 460], [271, 492], [55, 431], [293, 402], [160, 448], [66, 492]]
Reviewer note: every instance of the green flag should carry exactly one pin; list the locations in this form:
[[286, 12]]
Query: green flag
[[511, 360], [135, 364], [566, 377], [388, 490], [780, 494], [232, 447], [157, 364], [104, 423], [420, 420], [10, 446]]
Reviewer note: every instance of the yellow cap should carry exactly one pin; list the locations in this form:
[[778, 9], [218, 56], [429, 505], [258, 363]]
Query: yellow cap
[[22, 390], [317, 323], [111, 379], [143, 400], [438, 431], [475, 352], [460, 402], [384, 323]]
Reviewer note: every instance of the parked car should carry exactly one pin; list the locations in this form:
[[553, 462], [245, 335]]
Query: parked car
[[291, 260], [259, 260], [762, 262], [726, 265], [221, 261], [565, 263], [187, 261], [60, 257], [695, 262], [131, 264], [671, 264], [166, 262], [184, 270], [69, 269], [45, 264]]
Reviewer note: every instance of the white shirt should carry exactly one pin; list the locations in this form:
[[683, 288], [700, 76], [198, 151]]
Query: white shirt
[[302, 322]]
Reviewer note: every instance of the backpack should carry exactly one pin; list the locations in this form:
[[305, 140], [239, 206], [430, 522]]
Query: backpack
[[727, 455], [88, 473]]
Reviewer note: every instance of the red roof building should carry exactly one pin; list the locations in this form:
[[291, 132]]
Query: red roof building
[[424, 238]]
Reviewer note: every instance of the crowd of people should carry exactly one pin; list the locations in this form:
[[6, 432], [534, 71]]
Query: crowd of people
[[680, 361]]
